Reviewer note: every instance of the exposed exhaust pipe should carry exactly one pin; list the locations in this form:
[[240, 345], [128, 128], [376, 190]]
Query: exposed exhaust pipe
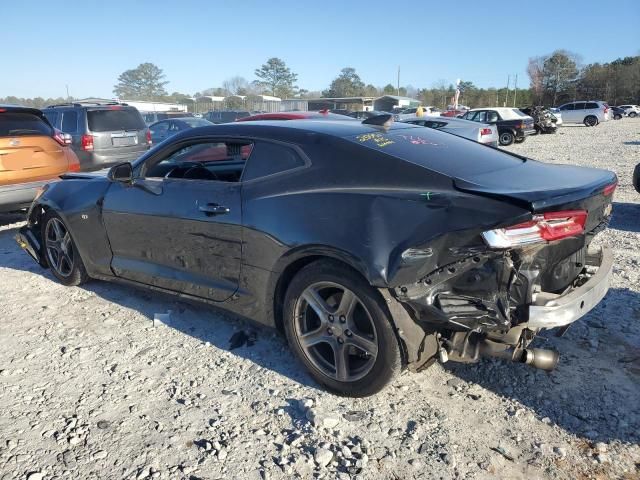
[[536, 357]]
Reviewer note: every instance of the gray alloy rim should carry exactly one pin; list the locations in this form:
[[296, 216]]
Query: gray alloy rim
[[592, 121], [59, 247], [336, 331], [505, 138]]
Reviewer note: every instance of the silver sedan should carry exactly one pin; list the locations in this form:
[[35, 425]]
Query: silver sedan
[[479, 132]]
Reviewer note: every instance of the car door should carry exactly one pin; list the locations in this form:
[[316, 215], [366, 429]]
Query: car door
[[178, 227], [568, 113]]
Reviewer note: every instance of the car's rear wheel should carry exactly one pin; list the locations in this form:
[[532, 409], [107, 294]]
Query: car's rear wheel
[[338, 325], [60, 251], [506, 138], [617, 116], [591, 121]]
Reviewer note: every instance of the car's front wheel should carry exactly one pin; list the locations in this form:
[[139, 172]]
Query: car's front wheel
[[506, 138], [591, 121], [339, 327], [633, 114], [60, 251], [636, 178]]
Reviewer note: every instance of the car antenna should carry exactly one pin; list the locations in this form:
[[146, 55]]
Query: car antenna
[[384, 120]]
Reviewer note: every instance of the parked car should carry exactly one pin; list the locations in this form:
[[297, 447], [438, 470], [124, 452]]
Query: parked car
[[617, 113], [364, 114], [153, 117], [631, 110], [340, 111], [636, 178], [373, 248], [312, 115], [557, 115], [478, 132], [226, 116], [166, 128], [512, 124], [543, 120], [589, 113], [32, 153], [103, 134], [411, 112], [453, 113]]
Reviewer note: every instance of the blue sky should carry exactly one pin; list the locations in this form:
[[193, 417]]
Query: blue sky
[[199, 43]]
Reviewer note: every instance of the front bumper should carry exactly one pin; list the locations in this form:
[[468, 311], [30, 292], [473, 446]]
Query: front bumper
[[550, 311]]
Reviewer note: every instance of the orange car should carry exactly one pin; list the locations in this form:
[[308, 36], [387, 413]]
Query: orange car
[[32, 153]]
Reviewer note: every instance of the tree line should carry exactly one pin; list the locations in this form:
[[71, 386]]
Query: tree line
[[554, 78]]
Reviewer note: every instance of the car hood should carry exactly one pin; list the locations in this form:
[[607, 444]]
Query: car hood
[[536, 185], [85, 175]]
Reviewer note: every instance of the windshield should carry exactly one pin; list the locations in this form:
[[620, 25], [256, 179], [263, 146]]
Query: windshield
[[196, 122], [115, 119]]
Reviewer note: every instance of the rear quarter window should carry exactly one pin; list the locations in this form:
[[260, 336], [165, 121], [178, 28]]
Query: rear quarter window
[[270, 158], [437, 151], [114, 120], [14, 124]]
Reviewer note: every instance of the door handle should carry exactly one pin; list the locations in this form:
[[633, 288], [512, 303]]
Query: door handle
[[211, 209]]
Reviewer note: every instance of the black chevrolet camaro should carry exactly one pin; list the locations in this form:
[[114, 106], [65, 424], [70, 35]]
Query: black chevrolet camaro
[[372, 246]]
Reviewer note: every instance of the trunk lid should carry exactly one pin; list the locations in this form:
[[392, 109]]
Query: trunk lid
[[538, 186]]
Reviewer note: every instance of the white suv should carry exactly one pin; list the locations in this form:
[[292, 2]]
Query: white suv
[[590, 113], [631, 110]]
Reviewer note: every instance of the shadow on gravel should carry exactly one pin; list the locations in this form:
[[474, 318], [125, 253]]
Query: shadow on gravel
[[594, 391], [9, 218], [626, 217], [632, 142]]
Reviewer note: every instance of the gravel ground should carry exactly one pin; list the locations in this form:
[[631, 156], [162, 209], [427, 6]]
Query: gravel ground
[[89, 388]]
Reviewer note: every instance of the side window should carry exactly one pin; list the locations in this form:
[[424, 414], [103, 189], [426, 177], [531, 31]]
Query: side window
[[269, 158], [578, 106], [492, 117], [173, 127], [69, 121], [480, 117], [591, 105], [569, 106], [52, 117], [159, 129], [215, 160], [149, 118]]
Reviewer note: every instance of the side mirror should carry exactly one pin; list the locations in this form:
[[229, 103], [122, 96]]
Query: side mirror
[[123, 172]]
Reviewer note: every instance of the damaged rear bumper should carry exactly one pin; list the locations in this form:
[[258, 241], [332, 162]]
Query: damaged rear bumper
[[550, 311]]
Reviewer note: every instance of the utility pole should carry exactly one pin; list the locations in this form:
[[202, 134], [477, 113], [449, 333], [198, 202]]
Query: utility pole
[[515, 93], [398, 91], [67, 86], [506, 99]]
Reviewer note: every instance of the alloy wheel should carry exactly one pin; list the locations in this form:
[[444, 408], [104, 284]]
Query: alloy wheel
[[335, 331], [59, 247]]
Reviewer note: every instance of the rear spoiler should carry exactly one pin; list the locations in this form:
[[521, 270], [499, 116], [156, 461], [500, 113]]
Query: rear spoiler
[[383, 120]]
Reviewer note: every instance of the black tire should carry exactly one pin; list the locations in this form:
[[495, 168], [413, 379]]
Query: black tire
[[77, 274], [591, 121], [633, 114], [617, 116], [636, 178], [506, 138], [520, 139], [386, 364]]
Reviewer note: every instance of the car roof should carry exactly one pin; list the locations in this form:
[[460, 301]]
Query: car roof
[[317, 115], [448, 120], [292, 129], [20, 109]]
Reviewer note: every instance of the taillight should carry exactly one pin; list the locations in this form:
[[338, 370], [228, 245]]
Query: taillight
[[547, 227], [485, 131], [63, 139], [74, 164], [87, 143], [609, 189], [149, 141]]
